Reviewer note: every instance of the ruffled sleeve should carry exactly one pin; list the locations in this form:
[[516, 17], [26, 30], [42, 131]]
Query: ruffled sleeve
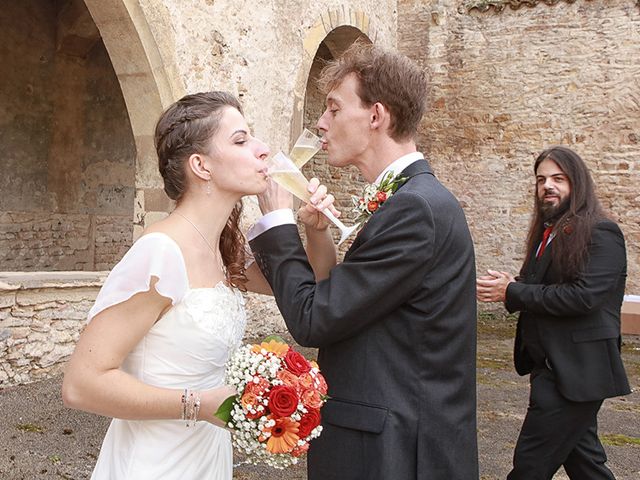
[[153, 255]]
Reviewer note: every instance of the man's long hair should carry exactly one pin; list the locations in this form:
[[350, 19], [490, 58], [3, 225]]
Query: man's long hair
[[574, 225]]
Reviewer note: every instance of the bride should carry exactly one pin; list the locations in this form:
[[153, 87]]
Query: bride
[[171, 311]]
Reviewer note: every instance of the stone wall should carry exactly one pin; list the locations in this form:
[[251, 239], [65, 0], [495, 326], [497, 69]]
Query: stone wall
[[506, 84], [42, 315], [67, 148], [35, 241]]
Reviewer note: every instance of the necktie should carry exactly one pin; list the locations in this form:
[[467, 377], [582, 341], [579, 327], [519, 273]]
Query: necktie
[[545, 238]]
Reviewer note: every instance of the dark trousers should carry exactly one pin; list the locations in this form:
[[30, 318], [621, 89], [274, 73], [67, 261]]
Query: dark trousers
[[558, 432]]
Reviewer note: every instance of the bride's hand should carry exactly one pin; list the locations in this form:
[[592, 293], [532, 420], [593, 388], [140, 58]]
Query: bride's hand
[[210, 401], [311, 213], [274, 197]]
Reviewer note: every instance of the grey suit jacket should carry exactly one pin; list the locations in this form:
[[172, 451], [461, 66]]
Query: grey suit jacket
[[396, 327]]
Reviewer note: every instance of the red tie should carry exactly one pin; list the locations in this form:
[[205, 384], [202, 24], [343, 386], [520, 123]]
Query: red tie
[[545, 238]]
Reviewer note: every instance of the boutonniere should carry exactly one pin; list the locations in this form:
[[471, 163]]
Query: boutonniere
[[374, 195]]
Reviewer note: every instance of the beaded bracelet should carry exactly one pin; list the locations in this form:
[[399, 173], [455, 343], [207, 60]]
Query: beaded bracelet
[[190, 407], [183, 400]]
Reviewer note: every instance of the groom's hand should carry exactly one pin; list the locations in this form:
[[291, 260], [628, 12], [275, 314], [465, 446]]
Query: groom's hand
[[310, 214]]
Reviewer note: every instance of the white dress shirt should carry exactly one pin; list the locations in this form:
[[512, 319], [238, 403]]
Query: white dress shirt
[[285, 216]]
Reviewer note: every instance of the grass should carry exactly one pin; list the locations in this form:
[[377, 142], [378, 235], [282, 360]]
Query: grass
[[630, 348], [30, 427], [618, 440], [493, 363], [626, 407], [632, 368], [496, 324]]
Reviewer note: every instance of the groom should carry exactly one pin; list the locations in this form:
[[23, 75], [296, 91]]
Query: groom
[[395, 322]]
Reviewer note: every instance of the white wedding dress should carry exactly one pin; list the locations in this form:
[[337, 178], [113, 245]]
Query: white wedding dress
[[188, 347]]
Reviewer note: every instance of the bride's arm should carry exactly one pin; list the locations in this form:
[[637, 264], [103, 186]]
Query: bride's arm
[[93, 381]]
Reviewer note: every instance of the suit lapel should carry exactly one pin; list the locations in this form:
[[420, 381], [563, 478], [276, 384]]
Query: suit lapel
[[538, 267], [419, 167]]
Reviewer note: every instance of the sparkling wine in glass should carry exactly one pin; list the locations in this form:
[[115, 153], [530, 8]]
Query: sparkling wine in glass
[[284, 172], [306, 146]]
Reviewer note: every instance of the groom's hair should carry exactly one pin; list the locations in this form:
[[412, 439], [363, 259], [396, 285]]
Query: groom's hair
[[386, 77]]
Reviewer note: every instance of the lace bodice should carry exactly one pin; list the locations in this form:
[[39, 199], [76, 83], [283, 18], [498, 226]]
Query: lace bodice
[[191, 343]]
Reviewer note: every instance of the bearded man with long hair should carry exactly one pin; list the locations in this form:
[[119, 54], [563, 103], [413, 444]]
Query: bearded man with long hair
[[569, 294]]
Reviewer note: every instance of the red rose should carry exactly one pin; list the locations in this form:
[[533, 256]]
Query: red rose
[[283, 401], [308, 422], [296, 363], [381, 196], [372, 206]]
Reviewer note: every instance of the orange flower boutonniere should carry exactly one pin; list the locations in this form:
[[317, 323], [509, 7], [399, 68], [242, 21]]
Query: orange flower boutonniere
[[374, 195]]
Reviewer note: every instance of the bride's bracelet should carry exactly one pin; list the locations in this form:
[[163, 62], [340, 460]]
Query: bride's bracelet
[[190, 407]]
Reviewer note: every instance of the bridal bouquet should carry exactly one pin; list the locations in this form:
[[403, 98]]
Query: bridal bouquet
[[277, 410]]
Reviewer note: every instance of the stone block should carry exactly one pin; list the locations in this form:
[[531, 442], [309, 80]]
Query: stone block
[[7, 299], [631, 315], [20, 333], [34, 350], [58, 354]]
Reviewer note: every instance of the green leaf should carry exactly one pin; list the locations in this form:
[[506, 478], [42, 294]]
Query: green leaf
[[276, 338], [224, 410]]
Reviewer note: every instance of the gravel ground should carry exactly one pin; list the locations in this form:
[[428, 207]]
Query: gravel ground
[[40, 439]]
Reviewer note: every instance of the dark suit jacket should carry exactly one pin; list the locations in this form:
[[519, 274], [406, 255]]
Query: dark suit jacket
[[396, 327], [579, 321]]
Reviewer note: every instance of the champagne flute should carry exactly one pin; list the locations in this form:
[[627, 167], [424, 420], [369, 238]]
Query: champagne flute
[[283, 171], [306, 146]]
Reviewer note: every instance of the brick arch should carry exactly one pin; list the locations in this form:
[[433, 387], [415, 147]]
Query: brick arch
[[328, 40], [145, 87], [334, 30]]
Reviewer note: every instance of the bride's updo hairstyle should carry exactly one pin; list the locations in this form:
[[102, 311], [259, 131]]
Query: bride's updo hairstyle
[[184, 129]]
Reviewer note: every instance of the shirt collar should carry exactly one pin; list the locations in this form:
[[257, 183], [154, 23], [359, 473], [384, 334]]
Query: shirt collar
[[400, 164]]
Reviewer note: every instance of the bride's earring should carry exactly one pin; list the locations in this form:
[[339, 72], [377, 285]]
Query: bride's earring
[[208, 187]]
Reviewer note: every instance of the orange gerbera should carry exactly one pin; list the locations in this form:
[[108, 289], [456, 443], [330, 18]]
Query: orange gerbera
[[279, 348], [284, 435]]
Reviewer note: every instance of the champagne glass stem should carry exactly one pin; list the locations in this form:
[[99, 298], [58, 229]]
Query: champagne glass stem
[[345, 231]]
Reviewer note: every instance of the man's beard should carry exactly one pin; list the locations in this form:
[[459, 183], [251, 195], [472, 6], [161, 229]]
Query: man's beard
[[552, 212]]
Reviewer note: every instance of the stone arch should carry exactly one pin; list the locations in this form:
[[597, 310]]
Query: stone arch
[[328, 39], [146, 89], [80, 107], [335, 30]]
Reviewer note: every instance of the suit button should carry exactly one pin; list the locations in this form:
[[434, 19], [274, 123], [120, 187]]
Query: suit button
[[548, 364]]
